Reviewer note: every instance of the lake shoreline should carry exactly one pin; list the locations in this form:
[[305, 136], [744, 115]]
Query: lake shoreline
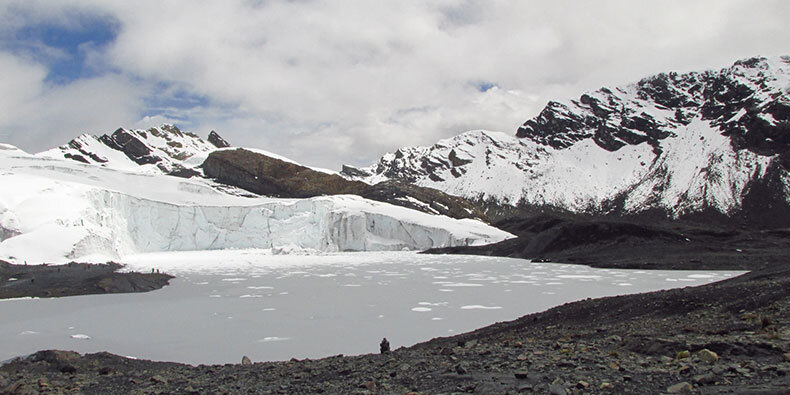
[[72, 279], [636, 243]]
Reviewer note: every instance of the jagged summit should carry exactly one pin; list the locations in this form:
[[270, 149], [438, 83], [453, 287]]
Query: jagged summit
[[217, 140], [165, 148], [712, 141], [747, 101]]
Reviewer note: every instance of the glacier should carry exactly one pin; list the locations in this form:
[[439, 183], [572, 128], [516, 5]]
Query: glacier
[[55, 210]]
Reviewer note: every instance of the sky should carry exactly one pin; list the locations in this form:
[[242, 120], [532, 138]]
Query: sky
[[328, 83]]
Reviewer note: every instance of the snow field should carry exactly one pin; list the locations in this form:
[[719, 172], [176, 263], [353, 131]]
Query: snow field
[[54, 210]]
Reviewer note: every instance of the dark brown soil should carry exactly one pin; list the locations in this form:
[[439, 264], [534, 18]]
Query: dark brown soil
[[45, 281]]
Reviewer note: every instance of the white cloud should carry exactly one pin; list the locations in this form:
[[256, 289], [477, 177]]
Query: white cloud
[[37, 115], [344, 81]]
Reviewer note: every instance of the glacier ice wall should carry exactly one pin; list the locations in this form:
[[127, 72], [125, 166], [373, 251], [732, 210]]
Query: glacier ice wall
[[121, 224], [53, 210]]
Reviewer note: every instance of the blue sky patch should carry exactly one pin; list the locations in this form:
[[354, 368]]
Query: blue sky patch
[[63, 49], [485, 86]]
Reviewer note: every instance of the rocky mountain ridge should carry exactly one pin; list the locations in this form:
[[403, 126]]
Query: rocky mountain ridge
[[166, 149], [713, 142], [265, 175], [162, 149]]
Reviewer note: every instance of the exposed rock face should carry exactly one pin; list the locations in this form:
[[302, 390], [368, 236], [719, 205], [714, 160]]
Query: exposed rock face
[[217, 140], [354, 172], [747, 102], [184, 172], [424, 199], [76, 145], [6, 233], [269, 176], [160, 149], [130, 145], [713, 142]]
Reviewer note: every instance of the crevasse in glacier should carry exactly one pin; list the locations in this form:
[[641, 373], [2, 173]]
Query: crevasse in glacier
[[338, 223]]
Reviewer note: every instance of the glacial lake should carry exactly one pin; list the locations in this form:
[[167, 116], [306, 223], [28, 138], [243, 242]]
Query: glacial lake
[[227, 304]]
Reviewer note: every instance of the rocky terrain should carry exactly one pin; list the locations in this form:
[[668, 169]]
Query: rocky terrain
[[45, 281], [732, 336], [163, 149], [638, 243], [265, 175]]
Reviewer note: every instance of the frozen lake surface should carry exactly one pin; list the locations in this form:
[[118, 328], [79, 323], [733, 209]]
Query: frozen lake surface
[[226, 304]]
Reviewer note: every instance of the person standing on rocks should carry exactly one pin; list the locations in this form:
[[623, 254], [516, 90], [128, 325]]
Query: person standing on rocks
[[384, 346]]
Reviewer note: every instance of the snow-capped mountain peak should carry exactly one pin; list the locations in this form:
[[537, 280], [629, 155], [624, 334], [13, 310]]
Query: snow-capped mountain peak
[[708, 141], [159, 149], [652, 109]]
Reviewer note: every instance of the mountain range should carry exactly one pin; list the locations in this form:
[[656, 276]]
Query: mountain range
[[710, 144], [105, 197]]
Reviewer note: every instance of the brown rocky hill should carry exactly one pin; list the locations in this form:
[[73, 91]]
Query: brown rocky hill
[[264, 175]]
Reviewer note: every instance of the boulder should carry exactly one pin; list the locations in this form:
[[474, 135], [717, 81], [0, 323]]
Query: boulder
[[680, 388], [708, 356]]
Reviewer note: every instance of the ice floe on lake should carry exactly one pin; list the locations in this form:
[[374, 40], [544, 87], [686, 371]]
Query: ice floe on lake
[[224, 304]]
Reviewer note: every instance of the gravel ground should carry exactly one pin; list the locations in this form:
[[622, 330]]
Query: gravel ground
[[732, 336]]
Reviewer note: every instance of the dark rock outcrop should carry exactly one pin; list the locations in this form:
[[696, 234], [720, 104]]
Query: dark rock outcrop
[[76, 145], [77, 157], [131, 146], [6, 233], [268, 176], [184, 172], [354, 171], [740, 100], [640, 242], [217, 140], [429, 200], [165, 146], [765, 202]]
